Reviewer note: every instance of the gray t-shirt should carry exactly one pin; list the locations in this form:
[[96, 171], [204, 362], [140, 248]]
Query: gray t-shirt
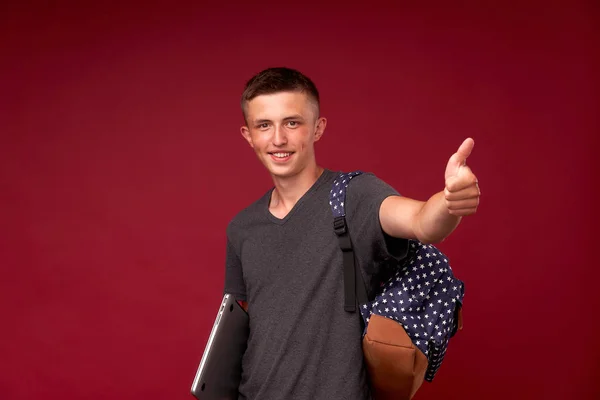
[[302, 344]]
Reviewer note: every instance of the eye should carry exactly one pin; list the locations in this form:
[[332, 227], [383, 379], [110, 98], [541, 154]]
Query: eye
[[264, 125], [292, 124]]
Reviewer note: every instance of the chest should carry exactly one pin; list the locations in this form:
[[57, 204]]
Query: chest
[[297, 252]]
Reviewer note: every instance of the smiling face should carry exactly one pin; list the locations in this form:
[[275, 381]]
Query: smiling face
[[282, 129]]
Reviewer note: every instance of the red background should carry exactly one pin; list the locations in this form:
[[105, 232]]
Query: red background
[[121, 163]]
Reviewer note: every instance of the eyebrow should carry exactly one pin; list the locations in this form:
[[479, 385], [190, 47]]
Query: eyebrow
[[291, 117]]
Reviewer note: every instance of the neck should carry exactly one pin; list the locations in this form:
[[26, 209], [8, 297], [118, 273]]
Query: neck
[[288, 190]]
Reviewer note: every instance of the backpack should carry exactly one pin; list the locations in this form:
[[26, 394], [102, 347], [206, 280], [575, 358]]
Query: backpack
[[410, 316]]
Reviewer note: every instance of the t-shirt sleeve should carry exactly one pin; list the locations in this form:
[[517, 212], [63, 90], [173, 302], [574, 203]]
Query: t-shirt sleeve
[[234, 277], [364, 196]]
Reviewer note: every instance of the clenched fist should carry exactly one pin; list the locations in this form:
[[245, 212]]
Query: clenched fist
[[462, 188]]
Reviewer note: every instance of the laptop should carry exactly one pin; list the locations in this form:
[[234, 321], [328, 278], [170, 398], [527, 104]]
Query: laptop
[[220, 370]]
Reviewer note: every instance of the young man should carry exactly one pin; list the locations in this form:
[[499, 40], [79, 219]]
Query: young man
[[284, 263]]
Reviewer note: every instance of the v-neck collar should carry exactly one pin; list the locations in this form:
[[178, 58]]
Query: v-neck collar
[[324, 175]]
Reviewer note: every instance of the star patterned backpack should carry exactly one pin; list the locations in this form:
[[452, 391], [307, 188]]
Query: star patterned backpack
[[408, 321]]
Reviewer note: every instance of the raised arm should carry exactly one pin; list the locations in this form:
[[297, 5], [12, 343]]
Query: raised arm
[[432, 221]]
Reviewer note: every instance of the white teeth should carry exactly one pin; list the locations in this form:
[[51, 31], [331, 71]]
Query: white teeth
[[281, 155]]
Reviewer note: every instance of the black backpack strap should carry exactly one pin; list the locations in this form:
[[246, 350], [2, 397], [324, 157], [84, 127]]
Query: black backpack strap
[[354, 285]]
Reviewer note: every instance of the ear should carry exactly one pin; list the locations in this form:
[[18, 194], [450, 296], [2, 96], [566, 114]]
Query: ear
[[320, 129], [246, 134]]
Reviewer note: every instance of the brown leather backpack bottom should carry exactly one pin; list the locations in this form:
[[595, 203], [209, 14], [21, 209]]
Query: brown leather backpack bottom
[[396, 366]]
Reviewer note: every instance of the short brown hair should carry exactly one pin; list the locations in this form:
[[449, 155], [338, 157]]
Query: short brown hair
[[278, 79]]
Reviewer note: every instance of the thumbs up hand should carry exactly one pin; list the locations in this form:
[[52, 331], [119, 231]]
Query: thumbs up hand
[[462, 189]]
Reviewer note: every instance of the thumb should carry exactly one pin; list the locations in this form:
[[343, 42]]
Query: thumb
[[465, 149], [459, 158]]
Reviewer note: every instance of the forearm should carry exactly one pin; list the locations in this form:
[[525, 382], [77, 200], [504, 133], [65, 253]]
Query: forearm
[[433, 223]]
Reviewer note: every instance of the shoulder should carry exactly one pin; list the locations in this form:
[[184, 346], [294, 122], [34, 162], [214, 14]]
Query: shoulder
[[367, 186], [359, 187]]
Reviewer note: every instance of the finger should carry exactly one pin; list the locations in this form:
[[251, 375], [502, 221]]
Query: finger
[[463, 194], [463, 213], [462, 204]]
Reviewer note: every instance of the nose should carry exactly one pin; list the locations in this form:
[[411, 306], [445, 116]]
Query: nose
[[279, 136]]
